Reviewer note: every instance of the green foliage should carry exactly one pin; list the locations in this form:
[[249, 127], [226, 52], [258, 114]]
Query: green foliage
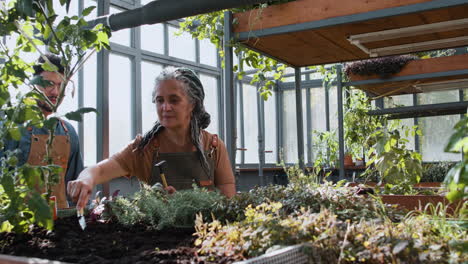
[[358, 125], [399, 168], [344, 202], [78, 114], [325, 145], [36, 28], [418, 238], [210, 26], [457, 177], [159, 210], [435, 172], [22, 204], [297, 176]]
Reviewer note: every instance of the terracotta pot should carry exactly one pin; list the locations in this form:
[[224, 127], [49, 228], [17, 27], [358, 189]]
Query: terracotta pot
[[348, 160]]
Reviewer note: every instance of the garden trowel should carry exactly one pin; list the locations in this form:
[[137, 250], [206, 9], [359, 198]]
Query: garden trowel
[[81, 219]]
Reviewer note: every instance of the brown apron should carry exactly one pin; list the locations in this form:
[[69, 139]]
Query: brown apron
[[185, 168], [60, 154]]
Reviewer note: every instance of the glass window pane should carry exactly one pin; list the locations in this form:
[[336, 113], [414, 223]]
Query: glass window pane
[[209, 53], [398, 101], [149, 72], [318, 104], [436, 132], [28, 57], [250, 123], [61, 11], [70, 101], [438, 97], [182, 46], [333, 108], [152, 38], [88, 3], [210, 84], [289, 147], [119, 102], [122, 37], [270, 129], [89, 120]]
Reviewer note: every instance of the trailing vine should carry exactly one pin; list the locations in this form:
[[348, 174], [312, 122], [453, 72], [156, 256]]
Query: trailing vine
[[210, 26]]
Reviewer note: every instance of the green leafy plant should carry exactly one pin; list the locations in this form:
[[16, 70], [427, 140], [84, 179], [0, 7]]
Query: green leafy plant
[[399, 168], [210, 26], [158, 210], [436, 172], [328, 238], [457, 177], [358, 125], [36, 27], [325, 145], [342, 201]]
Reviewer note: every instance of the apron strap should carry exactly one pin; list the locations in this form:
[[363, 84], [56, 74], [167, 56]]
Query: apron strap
[[214, 145], [64, 126]]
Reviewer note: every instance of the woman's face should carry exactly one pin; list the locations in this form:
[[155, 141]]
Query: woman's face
[[173, 105]]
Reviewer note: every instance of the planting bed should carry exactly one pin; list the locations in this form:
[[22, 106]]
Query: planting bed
[[103, 243]]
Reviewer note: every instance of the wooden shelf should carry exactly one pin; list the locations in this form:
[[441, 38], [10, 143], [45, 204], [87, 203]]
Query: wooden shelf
[[315, 32]]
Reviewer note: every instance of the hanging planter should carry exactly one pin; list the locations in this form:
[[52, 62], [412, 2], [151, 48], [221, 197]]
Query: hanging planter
[[407, 66]]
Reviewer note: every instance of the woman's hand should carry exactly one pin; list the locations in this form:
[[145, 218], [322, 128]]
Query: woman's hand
[[170, 189], [80, 189]]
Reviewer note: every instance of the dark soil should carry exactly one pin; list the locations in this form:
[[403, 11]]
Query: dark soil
[[104, 243]]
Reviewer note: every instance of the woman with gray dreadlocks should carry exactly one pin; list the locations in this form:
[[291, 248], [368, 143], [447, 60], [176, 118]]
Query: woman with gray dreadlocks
[[178, 144]]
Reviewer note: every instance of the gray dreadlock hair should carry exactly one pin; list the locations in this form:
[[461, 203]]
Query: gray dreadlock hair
[[200, 118]]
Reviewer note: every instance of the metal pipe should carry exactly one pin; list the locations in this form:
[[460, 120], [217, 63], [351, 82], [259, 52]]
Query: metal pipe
[[165, 10], [102, 102], [340, 121], [327, 107], [240, 97], [299, 119], [309, 126], [279, 124], [229, 96], [261, 137], [422, 110]]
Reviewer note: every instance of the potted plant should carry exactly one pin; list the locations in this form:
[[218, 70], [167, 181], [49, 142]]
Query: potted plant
[[325, 146], [399, 170]]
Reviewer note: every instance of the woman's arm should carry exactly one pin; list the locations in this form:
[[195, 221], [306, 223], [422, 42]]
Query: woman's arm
[[81, 188], [228, 189], [224, 176]]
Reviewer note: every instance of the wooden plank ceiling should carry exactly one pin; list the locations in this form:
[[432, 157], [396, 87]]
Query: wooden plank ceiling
[[330, 44]]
